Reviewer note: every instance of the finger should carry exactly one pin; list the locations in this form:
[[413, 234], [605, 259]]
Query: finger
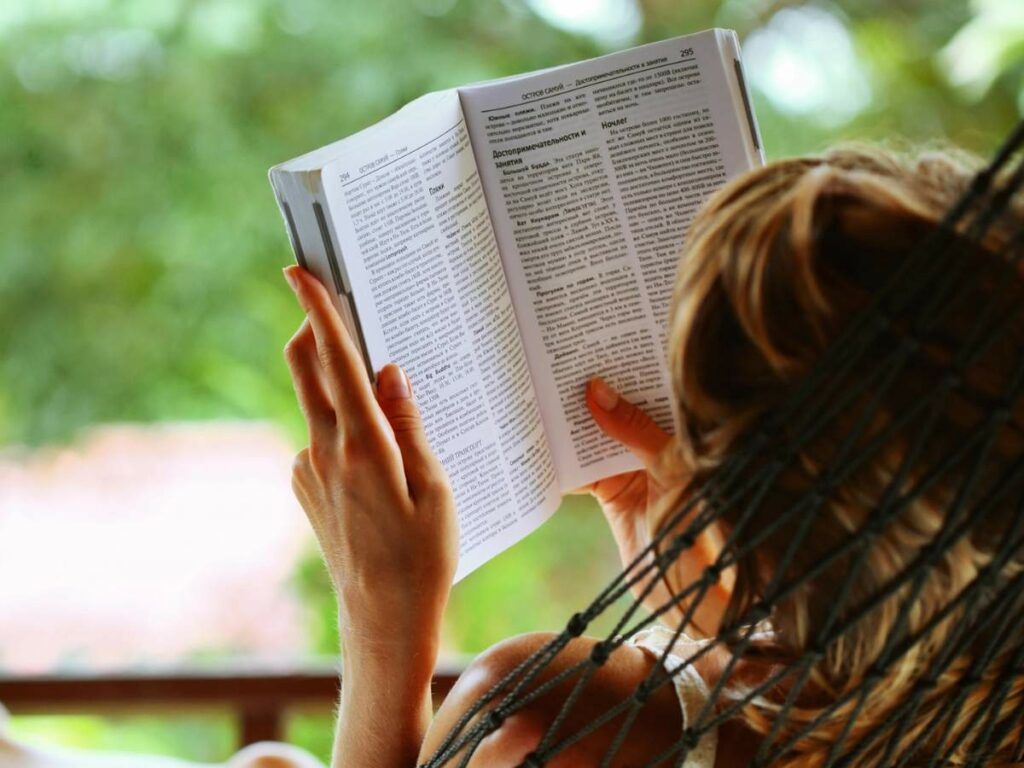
[[345, 375], [394, 392], [307, 378], [599, 488], [583, 490], [623, 421]]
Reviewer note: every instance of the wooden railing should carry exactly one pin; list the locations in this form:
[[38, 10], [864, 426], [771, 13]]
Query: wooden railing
[[259, 699]]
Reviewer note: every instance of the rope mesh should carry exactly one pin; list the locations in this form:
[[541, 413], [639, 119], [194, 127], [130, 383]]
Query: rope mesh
[[982, 641]]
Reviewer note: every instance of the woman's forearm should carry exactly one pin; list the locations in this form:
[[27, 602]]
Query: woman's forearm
[[384, 712], [380, 730]]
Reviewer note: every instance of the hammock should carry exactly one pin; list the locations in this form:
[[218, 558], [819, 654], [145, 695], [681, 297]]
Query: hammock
[[987, 613]]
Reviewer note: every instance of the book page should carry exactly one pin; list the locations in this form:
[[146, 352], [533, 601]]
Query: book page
[[593, 172], [414, 241]]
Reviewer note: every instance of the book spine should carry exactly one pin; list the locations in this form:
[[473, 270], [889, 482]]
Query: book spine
[[289, 221], [307, 222], [744, 94]]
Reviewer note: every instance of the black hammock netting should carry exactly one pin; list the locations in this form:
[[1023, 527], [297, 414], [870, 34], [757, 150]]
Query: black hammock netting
[[973, 642]]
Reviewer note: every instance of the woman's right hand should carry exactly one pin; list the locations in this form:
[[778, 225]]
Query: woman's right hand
[[626, 498]]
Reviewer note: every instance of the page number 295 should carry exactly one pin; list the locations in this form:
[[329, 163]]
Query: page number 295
[[686, 52]]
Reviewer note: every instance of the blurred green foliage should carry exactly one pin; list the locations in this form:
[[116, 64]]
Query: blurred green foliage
[[201, 736], [140, 246]]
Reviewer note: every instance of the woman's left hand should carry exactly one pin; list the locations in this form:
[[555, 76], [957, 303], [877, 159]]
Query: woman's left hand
[[378, 499]]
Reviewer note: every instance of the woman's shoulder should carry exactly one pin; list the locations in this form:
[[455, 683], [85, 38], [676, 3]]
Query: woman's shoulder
[[656, 729]]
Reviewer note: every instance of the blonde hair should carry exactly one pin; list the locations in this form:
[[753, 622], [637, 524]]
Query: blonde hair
[[776, 265]]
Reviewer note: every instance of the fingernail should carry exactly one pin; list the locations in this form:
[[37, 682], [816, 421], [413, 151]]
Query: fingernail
[[291, 275], [292, 280], [605, 397], [392, 383]]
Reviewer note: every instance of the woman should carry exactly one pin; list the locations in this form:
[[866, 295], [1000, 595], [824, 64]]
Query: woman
[[775, 267]]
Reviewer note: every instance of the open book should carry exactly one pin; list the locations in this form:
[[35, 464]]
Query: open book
[[504, 242]]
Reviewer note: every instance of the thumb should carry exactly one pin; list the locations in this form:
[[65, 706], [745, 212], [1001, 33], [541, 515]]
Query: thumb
[[394, 393], [623, 421]]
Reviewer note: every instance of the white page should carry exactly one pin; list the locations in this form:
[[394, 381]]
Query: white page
[[592, 173], [415, 246]]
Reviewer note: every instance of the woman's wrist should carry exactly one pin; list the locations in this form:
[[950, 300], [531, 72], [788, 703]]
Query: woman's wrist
[[398, 651], [376, 629], [408, 664]]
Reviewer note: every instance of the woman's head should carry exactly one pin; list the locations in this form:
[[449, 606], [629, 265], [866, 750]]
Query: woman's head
[[776, 267]]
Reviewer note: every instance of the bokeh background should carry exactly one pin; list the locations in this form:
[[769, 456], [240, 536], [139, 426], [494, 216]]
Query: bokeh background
[[146, 418]]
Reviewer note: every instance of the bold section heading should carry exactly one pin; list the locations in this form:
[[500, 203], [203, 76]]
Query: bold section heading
[[499, 153]]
